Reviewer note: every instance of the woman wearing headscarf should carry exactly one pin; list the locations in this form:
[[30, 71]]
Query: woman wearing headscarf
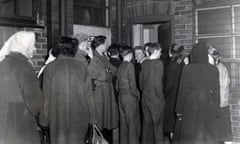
[[68, 103], [102, 71], [224, 79], [20, 98], [198, 100]]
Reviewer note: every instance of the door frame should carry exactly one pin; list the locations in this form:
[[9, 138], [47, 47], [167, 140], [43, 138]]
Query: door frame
[[148, 20]]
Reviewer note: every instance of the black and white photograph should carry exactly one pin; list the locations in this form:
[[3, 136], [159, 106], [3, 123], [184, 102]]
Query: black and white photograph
[[119, 71]]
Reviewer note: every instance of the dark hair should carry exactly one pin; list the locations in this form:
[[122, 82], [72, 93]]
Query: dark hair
[[138, 48], [153, 47], [97, 41], [125, 50], [146, 45], [114, 49], [66, 46]]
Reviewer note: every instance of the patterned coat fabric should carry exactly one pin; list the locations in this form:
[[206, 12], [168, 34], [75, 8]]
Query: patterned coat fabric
[[101, 72], [128, 103], [153, 101], [68, 100], [20, 101], [198, 100]]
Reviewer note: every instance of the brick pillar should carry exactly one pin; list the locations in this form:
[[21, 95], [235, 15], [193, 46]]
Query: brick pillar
[[184, 23]]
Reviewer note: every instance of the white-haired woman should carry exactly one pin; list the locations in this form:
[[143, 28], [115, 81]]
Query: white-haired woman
[[20, 98]]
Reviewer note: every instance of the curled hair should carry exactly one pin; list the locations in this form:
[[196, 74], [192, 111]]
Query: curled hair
[[125, 50], [146, 45], [114, 49], [152, 47], [66, 46], [97, 41]]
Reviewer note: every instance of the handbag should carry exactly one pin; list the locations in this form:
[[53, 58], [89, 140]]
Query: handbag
[[94, 136]]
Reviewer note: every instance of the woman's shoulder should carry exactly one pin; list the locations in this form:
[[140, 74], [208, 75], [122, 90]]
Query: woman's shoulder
[[201, 67]]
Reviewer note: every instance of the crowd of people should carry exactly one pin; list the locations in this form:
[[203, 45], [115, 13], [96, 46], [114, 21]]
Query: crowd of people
[[184, 100]]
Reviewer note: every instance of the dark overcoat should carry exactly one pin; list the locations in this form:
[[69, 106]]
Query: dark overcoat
[[101, 73], [68, 101], [153, 101], [198, 100], [20, 101], [171, 90], [128, 103]]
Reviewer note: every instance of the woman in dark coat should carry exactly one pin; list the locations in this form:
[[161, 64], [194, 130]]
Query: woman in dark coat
[[102, 71], [128, 100], [67, 91], [20, 98], [174, 71], [198, 100], [153, 101]]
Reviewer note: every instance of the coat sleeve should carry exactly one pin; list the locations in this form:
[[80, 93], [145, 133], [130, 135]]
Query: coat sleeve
[[132, 81], [44, 118], [183, 87], [90, 98], [31, 92], [159, 79]]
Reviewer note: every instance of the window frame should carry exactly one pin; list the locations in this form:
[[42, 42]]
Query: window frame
[[94, 6], [235, 59], [232, 34], [24, 21]]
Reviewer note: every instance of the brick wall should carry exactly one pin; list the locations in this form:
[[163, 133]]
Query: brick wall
[[183, 29], [235, 116]]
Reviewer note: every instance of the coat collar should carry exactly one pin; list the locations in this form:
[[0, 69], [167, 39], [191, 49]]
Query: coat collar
[[18, 56]]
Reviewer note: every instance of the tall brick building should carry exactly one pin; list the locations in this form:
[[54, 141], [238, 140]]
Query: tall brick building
[[181, 21]]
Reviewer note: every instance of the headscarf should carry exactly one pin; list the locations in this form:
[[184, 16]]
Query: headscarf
[[199, 53], [18, 42]]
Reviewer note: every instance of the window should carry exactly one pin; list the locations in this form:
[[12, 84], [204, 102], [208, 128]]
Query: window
[[19, 12], [91, 12], [220, 27]]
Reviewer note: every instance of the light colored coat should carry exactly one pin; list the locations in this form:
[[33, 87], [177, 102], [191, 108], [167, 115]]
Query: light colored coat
[[224, 81]]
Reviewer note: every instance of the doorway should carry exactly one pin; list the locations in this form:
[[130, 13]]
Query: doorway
[[152, 32], [157, 31]]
